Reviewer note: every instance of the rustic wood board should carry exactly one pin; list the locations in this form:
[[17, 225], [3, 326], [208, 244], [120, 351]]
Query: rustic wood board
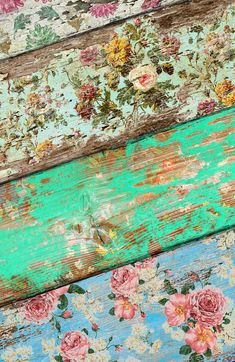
[[100, 89], [116, 206], [30, 24], [131, 320]]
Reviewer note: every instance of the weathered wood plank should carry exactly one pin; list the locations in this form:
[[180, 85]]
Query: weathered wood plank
[[116, 206], [100, 89], [36, 329], [30, 24]]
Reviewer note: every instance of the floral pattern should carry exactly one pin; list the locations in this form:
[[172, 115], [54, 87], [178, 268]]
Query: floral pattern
[[133, 313], [31, 24], [104, 90]]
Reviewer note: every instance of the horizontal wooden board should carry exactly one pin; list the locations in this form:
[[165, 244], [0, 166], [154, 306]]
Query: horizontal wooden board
[[30, 24], [116, 206], [99, 90], [131, 319]]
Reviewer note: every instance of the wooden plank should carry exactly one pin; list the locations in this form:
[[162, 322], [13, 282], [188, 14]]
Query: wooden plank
[[116, 206], [54, 109], [204, 271], [30, 24]]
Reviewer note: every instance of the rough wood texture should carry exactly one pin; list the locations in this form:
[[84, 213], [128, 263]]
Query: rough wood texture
[[114, 207], [127, 315], [100, 89], [30, 24]]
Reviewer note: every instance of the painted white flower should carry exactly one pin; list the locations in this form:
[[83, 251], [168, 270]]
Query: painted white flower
[[136, 344], [136, 298], [79, 301], [48, 345], [9, 355], [139, 329], [98, 344], [155, 346], [143, 77], [176, 334]]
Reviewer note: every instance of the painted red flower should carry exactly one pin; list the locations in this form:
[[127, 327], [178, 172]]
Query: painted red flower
[[208, 306], [124, 281], [74, 346], [200, 339], [149, 4], [177, 309], [8, 6], [124, 308], [103, 10]]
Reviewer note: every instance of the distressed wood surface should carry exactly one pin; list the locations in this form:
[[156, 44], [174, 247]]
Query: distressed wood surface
[[117, 206], [30, 24], [98, 90], [133, 319]]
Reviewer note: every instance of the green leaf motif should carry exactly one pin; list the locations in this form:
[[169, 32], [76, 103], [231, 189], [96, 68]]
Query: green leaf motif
[[187, 286], [58, 326], [169, 288], [47, 12], [85, 331], [58, 358], [111, 296], [21, 21], [111, 311], [41, 36], [194, 357], [208, 353], [163, 301], [63, 302], [73, 288], [185, 350], [185, 328], [90, 350]]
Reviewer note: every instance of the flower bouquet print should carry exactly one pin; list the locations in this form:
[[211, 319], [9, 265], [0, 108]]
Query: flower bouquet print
[[158, 309], [31, 24]]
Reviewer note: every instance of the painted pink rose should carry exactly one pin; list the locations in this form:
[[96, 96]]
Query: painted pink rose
[[208, 306], [8, 6], [39, 309], [124, 281], [103, 10], [206, 106], [143, 77], [177, 309], [74, 346], [89, 55], [170, 45], [124, 309], [149, 4], [200, 339]]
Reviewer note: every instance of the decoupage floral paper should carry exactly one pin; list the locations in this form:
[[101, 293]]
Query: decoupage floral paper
[[94, 95], [174, 307], [31, 24]]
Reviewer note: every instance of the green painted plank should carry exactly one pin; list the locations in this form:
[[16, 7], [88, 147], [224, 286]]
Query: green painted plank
[[112, 208], [129, 320], [103, 88]]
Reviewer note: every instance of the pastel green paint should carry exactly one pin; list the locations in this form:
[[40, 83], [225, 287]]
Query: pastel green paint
[[122, 209]]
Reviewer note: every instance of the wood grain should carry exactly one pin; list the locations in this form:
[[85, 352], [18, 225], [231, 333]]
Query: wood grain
[[35, 328], [32, 24], [116, 206], [75, 98]]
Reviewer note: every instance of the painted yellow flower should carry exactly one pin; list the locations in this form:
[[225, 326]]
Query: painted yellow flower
[[225, 92], [33, 99], [45, 148], [118, 51]]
